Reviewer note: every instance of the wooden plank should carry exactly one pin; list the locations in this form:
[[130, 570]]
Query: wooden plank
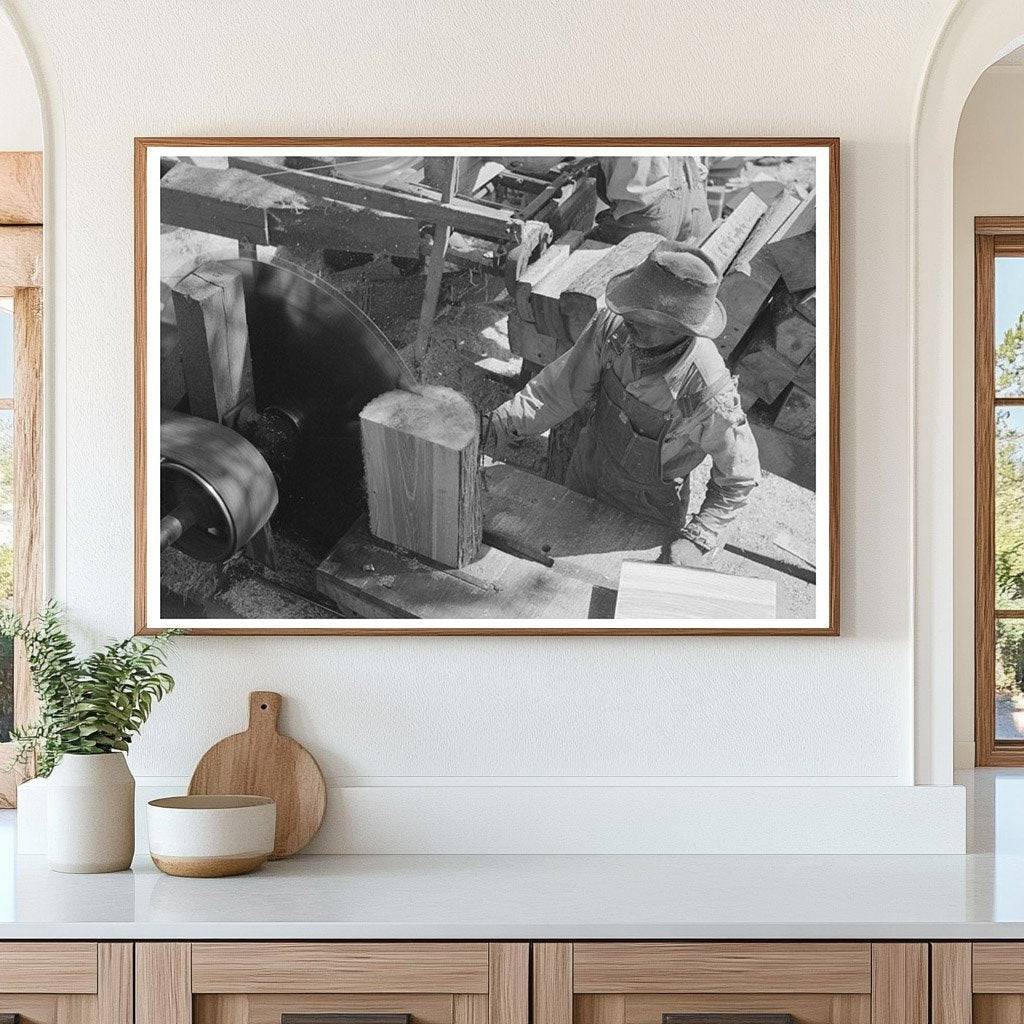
[[727, 239], [236, 204], [899, 983], [582, 297], [766, 228], [435, 266], [951, 983], [425, 205], [795, 336], [807, 376], [213, 341], [21, 258], [572, 211], [851, 1009], [649, 590], [743, 293], [115, 1003], [163, 983], [600, 1009], [21, 188], [762, 371], [420, 453], [48, 967], [508, 990], [998, 967], [525, 340], [546, 294], [552, 983], [792, 458], [556, 253], [797, 415], [467, 1008], [757, 967], [997, 1009], [796, 258], [339, 967]]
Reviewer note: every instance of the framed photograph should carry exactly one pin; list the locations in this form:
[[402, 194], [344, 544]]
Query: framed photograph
[[487, 386]]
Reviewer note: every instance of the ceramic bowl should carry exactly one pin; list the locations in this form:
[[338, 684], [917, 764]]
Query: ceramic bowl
[[211, 836]]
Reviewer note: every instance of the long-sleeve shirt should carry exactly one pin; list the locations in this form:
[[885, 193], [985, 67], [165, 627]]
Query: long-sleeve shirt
[[634, 183], [707, 418]]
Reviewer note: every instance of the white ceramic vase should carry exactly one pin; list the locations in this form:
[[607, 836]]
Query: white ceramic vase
[[90, 814]]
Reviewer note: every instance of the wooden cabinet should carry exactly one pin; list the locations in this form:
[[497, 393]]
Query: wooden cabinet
[[979, 982], [66, 982], [815, 982], [258, 982]]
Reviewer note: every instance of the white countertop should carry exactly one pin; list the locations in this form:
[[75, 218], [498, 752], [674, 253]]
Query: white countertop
[[532, 897]]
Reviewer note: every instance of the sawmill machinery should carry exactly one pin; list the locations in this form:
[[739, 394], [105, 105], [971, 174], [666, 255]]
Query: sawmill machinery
[[264, 375]]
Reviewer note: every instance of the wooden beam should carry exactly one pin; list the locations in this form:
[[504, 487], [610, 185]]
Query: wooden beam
[[546, 294], [585, 293], [21, 188], [726, 241], [554, 255], [236, 204], [525, 340], [21, 258], [508, 988], [435, 266], [425, 205], [213, 341], [899, 983], [163, 983], [420, 453], [796, 258], [552, 983]]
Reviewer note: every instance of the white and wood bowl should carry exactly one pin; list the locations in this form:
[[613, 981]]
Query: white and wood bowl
[[211, 836]]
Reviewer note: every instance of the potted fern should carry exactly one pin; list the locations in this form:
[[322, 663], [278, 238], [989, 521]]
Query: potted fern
[[89, 710]]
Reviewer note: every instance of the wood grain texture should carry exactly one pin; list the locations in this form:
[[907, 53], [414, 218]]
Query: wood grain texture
[[262, 762], [468, 1008], [269, 1008], [552, 983], [756, 967], [48, 967], [998, 967], [21, 258], [899, 983], [599, 1009], [831, 145], [115, 995], [816, 1008], [362, 967], [951, 983], [163, 983], [997, 1009], [725, 242], [421, 455], [21, 188], [508, 989], [650, 590], [546, 294], [851, 1009], [553, 256], [584, 295]]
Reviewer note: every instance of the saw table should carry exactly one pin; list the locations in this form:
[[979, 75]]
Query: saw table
[[586, 540]]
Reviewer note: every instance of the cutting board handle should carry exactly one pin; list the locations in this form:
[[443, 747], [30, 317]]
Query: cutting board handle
[[264, 710]]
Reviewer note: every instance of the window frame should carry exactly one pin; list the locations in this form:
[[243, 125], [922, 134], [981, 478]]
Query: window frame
[[993, 237], [21, 252]]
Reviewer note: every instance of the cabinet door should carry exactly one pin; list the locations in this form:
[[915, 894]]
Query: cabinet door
[[980, 982], [300, 982], [752, 982], [66, 982]]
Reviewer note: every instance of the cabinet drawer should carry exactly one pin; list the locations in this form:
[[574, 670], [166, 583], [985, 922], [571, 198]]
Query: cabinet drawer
[[48, 967], [259, 982]]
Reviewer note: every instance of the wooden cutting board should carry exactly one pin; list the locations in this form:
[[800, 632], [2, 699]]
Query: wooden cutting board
[[262, 762]]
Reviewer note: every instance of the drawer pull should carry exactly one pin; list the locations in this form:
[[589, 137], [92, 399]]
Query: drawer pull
[[728, 1018], [340, 1018]]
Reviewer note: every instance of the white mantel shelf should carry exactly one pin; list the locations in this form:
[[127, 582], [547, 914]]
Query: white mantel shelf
[[531, 897]]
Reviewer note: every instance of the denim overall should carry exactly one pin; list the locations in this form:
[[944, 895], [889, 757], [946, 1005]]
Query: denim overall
[[618, 457]]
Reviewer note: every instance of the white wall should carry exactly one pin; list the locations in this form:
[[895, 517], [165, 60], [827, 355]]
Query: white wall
[[988, 180], [443, 713], [21, 125]]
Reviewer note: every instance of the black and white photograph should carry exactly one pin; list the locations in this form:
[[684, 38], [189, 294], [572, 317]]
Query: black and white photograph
[[489, 387]]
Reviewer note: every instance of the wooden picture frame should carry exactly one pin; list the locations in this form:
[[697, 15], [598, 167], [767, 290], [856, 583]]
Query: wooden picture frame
[[21, 269], [259, 228]]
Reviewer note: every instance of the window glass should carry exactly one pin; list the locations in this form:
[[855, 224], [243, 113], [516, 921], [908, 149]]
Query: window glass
[[1009, 679], [1009, 507], [1009, 327]]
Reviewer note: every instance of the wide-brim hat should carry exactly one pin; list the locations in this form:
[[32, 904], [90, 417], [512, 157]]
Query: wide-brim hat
[[676, 282]]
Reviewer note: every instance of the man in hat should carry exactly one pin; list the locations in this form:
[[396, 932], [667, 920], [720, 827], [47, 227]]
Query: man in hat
[[665, 401]]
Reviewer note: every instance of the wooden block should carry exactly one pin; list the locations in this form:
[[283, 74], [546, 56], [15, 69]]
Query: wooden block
[[584, 294], [556, 253], [48, 967], [807, 375], [21, 258], [547, 293], [806, 306], [420, 453], [213, 341], [650, 590], [764, 372], [743, 294], [766, 228], [803, 218], [21, 188], [794, 337], [574, 210], [795, 256], [525, 340], [797, 413], [725, 241]]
